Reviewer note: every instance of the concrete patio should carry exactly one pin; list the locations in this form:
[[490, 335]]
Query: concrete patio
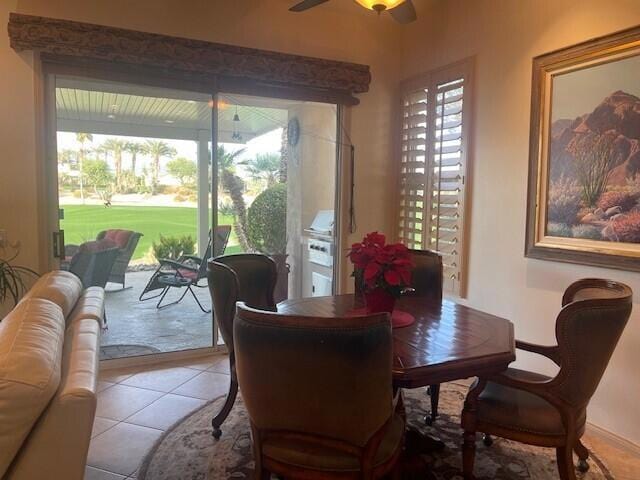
[[138, 327]]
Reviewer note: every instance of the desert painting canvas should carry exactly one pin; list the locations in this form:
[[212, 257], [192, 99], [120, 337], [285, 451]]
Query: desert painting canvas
[[594, 153]]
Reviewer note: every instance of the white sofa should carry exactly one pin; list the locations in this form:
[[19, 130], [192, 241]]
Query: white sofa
[[49, 352]]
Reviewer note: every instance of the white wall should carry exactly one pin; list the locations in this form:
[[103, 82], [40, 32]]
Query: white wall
[[504, 36]]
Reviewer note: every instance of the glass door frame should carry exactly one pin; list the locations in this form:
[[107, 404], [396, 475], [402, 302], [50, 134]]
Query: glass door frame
[[51, 69]]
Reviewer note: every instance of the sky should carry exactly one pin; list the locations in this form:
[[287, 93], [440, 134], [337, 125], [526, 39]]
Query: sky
[[580, 92]]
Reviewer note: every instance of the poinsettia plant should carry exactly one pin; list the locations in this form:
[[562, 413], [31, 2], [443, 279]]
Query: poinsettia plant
[[379, 265]]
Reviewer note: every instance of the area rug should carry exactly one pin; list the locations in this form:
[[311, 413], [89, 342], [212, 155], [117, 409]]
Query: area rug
[[187, 451]]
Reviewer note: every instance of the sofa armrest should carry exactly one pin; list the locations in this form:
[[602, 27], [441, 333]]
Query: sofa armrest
[[58, 444]]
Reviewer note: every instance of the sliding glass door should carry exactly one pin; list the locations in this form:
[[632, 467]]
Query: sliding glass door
[[277, 163], [134, 174]]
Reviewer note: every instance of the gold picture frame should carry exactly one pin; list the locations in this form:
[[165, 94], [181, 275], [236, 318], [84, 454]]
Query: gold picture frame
[[578, 170]]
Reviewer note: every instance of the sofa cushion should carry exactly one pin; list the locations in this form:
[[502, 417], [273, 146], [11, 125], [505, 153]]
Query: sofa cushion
[[45, 454], [31, 342], [60, 287], [89, 305]]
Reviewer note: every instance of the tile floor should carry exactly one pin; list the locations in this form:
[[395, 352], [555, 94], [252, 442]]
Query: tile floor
[[136, 404]]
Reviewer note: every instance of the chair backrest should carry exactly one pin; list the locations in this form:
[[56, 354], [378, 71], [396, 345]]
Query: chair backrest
[[246, 277], [426, 274], [220, 239], [594, 315], [315, 377], [93, 263], [218, 242], [119, 236]]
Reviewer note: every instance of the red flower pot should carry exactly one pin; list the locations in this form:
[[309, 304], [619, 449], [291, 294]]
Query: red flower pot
[[379, 300]]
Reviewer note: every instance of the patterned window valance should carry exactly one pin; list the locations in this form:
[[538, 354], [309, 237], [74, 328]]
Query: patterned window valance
[[194, 58]]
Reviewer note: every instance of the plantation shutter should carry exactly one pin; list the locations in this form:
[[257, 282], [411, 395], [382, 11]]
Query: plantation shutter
[[433, 168]]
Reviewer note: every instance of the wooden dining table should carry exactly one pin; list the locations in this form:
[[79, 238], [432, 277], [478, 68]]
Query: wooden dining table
[[447, 341]]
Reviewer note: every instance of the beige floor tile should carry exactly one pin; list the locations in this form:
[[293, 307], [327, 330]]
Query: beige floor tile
[[207, 386], [165, 411], [161, 379], [121, 448], [199, 363], [101, 424], [121, 401], [91, 473], [116, 375], [221, 365], [104, 385]]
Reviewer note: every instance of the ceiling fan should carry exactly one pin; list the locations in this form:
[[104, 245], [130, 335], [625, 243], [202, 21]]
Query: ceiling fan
[[402, 11]]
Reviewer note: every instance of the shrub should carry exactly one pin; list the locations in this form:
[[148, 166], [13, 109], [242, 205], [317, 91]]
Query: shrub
[[564, 202], [267, 221], [590, 232], [179, 198], [173, 247], [626, 228], [559, 230], [617, 198]]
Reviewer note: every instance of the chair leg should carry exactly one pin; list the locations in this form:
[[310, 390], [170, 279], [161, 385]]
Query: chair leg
[[566, 470], [196, 299], [583, 456], [159, 305], [434, 393], [468, 454], [226, 409]]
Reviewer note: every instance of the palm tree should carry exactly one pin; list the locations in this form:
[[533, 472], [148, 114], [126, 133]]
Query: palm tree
[[82, 138], [134, 148], [116, 146], [265, 166], [233, 185], [157, 149]]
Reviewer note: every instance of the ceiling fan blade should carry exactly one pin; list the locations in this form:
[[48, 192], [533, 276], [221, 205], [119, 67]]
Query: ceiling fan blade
[[306, 5], [404, 13]]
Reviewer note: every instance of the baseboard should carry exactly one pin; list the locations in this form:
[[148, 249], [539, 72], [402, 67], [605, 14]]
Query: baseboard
[[613, 439], [160, 357]]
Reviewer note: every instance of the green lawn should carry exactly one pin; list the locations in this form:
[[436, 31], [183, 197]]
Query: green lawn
[[83, 222]]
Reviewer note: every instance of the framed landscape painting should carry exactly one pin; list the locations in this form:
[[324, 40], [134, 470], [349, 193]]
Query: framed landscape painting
[[584, 159]]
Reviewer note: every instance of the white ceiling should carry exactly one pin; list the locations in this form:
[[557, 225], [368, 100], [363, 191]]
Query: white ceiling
[[133, 110]]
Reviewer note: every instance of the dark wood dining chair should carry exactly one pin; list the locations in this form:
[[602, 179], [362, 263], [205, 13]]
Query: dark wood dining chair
[[552, 412], [246, 277], [319, 394], [426, 282]]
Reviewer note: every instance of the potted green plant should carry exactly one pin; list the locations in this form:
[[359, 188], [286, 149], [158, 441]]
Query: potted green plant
[[13, 283], [267, 231]]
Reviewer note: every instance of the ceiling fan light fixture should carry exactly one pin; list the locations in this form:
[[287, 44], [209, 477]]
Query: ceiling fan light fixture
[[380, 5]]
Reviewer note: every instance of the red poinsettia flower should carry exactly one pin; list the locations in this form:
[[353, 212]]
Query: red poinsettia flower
[[381, 265]]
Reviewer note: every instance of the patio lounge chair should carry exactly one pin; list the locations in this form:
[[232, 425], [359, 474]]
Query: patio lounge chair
[[93, 261], [126, 241], [185, 272]]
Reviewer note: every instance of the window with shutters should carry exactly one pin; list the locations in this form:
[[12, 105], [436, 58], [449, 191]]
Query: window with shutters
[[433, 163]]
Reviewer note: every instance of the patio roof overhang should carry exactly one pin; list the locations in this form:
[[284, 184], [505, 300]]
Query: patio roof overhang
[[108, 108]]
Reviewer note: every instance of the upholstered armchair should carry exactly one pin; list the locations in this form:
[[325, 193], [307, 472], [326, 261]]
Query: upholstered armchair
[[246, 277], [552, 412], [318, 392]]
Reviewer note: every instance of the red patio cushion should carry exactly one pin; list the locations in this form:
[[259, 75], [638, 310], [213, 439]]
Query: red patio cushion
[[118, 236], [191, 275]]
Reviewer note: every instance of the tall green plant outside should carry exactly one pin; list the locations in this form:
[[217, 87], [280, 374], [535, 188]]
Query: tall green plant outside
[[267, 226], [173, 247]]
